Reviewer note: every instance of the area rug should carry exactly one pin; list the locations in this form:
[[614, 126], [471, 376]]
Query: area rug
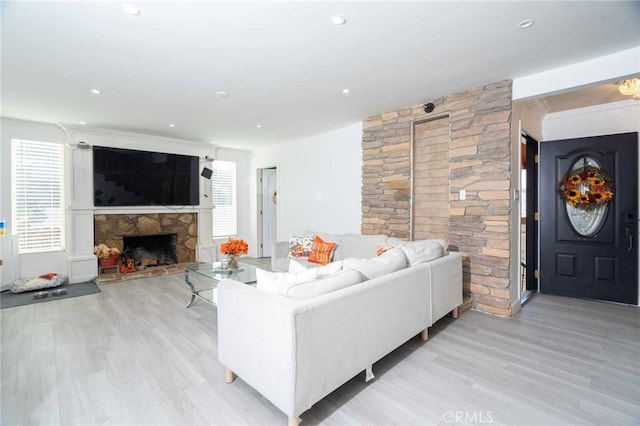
[[10, 300]]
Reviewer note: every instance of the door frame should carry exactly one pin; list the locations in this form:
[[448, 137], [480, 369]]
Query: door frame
[[259, 201], [532, 229]]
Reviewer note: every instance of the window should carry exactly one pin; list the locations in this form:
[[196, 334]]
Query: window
[[37, 195], [223, 195]]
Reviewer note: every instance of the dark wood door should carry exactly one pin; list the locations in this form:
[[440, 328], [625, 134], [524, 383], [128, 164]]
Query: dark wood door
[[590, 252]]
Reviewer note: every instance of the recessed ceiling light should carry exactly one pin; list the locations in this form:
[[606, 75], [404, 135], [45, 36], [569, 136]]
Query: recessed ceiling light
[[345, 91], [259, 126], [172, 125], [83, 122], [131, 9], [96, 91], [222, 94], [526, 23], [338, 20]]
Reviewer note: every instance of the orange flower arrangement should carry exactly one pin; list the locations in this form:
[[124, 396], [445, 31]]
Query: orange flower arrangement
[[587, 187], [234, 247]]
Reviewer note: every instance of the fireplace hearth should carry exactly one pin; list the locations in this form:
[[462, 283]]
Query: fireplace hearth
[[151, 250]]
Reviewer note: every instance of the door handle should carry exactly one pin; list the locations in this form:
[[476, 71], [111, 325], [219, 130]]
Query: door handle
[[629, 233]]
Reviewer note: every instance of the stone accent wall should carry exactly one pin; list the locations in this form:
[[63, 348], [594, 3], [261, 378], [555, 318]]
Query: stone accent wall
[[110, 228], [479, 162]]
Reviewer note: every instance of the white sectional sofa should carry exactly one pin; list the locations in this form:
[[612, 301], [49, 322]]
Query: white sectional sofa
[[297, 346]]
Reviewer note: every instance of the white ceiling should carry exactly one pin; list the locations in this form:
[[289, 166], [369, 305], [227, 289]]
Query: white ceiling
[[284, 64]]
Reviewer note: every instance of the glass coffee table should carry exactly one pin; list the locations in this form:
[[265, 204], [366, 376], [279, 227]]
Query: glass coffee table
[[211, 272]]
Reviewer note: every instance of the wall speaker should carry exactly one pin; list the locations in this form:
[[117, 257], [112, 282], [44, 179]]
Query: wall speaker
[[206, 173]]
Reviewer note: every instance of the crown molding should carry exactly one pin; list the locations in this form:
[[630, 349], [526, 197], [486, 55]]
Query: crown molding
[[108, 137]]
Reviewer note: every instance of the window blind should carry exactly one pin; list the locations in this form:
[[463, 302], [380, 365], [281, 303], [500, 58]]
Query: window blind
[[37, 195], [223, 195]]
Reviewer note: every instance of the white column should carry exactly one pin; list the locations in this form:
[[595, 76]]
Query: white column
[[83, 265]]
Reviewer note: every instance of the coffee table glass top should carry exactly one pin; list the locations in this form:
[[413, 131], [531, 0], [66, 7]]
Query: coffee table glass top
[[245, 273]]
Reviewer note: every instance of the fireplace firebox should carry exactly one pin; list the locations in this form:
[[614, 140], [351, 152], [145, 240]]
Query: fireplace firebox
[[151, 250]]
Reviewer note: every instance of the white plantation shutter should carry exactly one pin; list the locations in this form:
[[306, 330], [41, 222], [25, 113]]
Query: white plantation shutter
[[37, 195], [223, 194]]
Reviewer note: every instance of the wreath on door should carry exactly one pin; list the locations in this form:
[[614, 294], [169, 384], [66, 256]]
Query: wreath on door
[[587, 187]]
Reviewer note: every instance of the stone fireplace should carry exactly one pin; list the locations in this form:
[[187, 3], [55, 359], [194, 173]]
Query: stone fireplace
[[160, 238]]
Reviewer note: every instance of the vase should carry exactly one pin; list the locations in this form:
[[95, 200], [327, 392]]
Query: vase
[[232, 261], [110, 261]]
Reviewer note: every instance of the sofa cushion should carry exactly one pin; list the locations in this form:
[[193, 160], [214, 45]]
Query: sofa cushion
[[299, 265], [321, 251], [356, 245], [282, 263], [382, 248], [389, 262], [279, 282], [325, 285], [325, 236], [422, 251], [300, 245]]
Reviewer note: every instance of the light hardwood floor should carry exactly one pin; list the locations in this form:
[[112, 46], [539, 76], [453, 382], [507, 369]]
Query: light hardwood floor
[[134, 355]]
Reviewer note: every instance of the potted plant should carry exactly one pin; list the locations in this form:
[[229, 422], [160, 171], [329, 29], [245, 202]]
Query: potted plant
[[107, 256], [233, 249]]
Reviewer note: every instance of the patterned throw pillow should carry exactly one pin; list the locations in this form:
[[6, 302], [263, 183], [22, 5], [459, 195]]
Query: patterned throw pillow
[[321, 252], [300, 246]]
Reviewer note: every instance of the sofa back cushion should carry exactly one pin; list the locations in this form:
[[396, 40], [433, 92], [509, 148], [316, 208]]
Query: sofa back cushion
[[388, 262], [356, 245], [325, 285], [423, 251]]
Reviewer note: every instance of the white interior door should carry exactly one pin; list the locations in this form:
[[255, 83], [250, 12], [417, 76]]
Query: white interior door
[[269, 211]]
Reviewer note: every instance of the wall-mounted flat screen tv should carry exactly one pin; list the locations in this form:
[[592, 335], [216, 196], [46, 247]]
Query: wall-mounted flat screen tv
[[125, 177]]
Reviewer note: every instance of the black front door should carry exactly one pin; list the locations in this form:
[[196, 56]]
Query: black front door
[[588, 244]]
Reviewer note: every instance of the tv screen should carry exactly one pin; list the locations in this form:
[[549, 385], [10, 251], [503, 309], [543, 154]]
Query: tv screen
[[125, 177]]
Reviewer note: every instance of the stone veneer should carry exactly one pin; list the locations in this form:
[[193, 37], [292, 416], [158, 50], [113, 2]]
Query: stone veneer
[[110, 228], [479, 162]]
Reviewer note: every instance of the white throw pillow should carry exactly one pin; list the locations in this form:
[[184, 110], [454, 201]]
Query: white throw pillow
[[279, 282], [318, 287], [386, 263], [423, 251]]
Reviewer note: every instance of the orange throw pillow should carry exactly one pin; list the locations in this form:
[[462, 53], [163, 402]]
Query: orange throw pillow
[[321, 252]]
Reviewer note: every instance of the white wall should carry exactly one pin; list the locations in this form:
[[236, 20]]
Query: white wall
[[604, 69], [617, 117], [319, 183]]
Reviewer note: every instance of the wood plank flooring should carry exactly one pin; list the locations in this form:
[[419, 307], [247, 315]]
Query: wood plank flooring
[[133, 355]]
